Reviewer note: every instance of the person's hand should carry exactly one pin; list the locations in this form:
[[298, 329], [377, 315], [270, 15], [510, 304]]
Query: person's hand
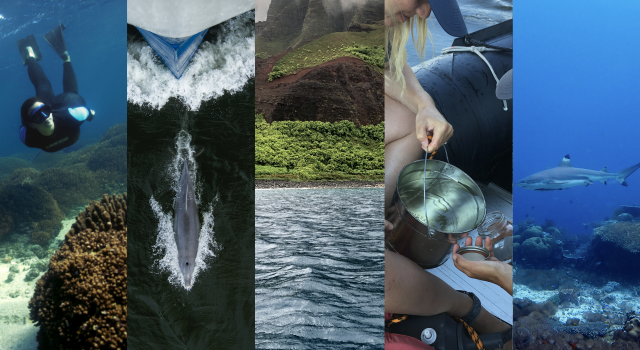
[[491, 270], [429, 122], [388, 226]]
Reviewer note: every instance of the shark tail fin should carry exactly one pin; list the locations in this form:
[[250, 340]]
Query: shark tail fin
[[622, 175]]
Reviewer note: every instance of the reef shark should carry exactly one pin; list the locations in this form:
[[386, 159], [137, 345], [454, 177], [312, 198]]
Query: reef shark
[[186, 226], [565, 176]]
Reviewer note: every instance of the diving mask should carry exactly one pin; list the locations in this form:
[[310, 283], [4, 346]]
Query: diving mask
[[40, 114]]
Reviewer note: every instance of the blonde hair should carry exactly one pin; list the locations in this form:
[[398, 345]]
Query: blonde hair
[[396, 39]]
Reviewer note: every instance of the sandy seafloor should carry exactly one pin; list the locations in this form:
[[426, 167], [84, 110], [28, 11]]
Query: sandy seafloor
[[621, 299], [17, 331]]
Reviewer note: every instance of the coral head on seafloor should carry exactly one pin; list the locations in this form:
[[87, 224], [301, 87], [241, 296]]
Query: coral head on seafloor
[[81, 301], [626, 235]]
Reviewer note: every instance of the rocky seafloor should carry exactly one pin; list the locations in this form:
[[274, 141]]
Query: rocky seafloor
[[21, 265], [39, 202], [578, 292]]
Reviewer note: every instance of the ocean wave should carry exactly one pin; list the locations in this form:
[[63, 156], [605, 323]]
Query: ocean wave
[[217, 67]]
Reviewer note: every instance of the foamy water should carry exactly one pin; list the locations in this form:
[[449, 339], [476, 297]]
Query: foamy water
[[165, 247], [224, 65]]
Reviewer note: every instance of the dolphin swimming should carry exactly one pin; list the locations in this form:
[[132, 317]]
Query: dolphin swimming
[[565, 176], [186, 226]]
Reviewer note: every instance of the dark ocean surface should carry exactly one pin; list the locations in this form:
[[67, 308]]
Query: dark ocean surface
[[319, 269], [216, 136]]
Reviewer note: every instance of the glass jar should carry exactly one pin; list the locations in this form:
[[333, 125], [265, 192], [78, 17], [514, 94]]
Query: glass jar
[[500, 230]]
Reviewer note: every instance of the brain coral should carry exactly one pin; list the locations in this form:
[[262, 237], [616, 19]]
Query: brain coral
[[81, 301], [535, 231], [624, 234]]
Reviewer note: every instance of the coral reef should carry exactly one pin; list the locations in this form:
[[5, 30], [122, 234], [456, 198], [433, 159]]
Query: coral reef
[[111, 153], [540, 252], [568, 295], [591, 330], [632, 210], [615, 250], [625, 235], [538, 246], [58, 181], [33, 201], [534, 328], [30, 203], [8, 165], [81, 301], [625, 217], [31, 275], [6, 220], [40, 237], [632, 328], [534, 231]]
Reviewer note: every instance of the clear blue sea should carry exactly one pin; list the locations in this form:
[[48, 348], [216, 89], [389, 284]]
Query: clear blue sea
[[575, 92], [96, 40]]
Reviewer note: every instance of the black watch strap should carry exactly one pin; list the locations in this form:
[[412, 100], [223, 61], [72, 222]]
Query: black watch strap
[[473, 314]]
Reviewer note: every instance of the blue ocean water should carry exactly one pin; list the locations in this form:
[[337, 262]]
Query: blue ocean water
[[575, 92], [96, 40], [319, 269], [478, 14]]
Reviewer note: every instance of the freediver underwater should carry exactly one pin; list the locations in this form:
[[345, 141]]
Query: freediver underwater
[[432, 204], [565, 176], [51, 122]]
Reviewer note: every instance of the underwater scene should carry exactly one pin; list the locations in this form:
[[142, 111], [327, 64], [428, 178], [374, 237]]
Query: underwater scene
[[63, 214], [191, 180], [576, 184]]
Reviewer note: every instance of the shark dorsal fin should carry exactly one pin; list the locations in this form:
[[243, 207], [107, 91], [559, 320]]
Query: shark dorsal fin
[[604, 170], [566, 161]]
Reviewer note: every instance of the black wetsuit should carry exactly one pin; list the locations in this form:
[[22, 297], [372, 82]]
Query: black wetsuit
[[66, 127]]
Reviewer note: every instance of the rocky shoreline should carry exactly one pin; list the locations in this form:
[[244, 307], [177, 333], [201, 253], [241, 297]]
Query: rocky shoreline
[[276, 184]]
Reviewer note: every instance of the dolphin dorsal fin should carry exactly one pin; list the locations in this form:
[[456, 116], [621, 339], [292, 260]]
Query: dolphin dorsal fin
[[566, 161], [604, 170]]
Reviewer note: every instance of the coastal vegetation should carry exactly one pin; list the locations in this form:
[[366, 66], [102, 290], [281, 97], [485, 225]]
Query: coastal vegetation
[[361, 45], [314, 150]]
